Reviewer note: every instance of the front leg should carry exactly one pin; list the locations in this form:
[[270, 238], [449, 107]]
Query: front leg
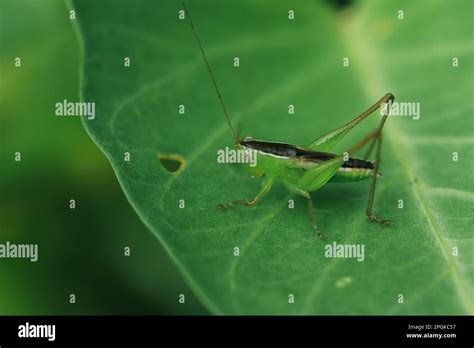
[[267, 185]]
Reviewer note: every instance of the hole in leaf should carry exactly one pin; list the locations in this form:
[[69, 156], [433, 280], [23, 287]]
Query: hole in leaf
[[172, 163]]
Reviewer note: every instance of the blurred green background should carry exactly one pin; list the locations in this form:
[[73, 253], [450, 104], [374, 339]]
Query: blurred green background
[[81, 251]]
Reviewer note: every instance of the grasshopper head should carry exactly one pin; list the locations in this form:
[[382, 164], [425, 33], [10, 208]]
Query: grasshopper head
[[251, 154], [241, 144]]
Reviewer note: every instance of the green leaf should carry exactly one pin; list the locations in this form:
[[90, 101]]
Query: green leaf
[[297, 62]]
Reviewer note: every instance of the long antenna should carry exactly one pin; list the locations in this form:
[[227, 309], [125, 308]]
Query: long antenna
[[234, 134]]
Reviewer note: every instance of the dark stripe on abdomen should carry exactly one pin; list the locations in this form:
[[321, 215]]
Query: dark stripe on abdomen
[[288, 150], [357, 163]]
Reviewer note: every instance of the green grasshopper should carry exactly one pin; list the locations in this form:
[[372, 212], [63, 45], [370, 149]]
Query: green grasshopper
[[305, 169]]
